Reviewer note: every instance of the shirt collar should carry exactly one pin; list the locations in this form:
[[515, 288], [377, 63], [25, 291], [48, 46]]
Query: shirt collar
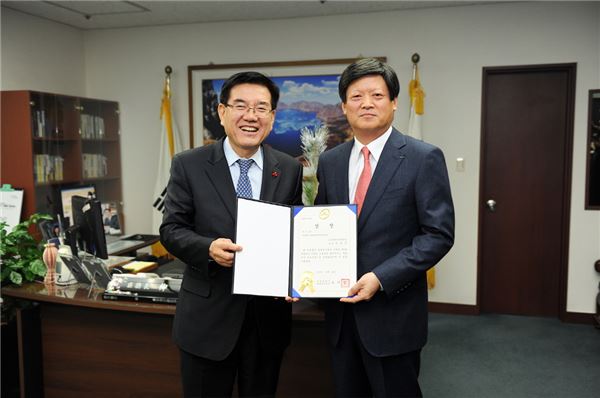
[[375, 146], [232, 157]]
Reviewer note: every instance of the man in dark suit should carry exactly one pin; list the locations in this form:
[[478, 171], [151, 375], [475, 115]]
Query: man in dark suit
[[405, 226], [221, 335]]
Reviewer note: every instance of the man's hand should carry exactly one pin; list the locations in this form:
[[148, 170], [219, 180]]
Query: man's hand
[[221, 250], [364, 289]]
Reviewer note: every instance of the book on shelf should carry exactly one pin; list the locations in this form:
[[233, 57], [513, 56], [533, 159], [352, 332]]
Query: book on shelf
[[92, 127], [39, 123], [48, 168], [94, 165], [42, 129]]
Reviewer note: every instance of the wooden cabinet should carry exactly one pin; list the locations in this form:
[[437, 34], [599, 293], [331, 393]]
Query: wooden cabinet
[[53, 142]]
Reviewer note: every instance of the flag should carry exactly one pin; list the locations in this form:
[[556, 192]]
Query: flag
[[417, 105], [417, 109], [170, 144]]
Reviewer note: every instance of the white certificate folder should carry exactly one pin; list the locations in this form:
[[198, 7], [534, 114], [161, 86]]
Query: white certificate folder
[[297, 251]]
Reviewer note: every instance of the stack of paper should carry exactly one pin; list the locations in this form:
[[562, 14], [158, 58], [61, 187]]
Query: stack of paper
[[140, 266]]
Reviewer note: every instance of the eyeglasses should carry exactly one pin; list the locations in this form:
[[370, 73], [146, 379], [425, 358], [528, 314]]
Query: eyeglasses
[[259, 110]]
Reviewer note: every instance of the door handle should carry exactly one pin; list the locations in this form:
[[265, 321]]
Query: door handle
[[491, 205]]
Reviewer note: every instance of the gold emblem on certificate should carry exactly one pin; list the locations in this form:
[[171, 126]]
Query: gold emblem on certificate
[[307, 282]]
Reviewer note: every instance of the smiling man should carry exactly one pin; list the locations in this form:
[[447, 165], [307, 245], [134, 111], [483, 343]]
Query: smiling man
[[221, 335], [405, 226]]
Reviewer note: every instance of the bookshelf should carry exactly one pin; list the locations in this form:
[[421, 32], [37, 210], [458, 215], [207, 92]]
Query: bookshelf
[[50, 142]]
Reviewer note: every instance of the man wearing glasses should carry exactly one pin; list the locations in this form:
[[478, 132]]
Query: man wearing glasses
[[221, 335]]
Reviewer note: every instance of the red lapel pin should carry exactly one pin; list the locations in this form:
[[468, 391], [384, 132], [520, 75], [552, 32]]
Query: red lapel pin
[[275, 174]]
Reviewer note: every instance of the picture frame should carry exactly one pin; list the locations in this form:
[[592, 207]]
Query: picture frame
[[111, 218], [592, 176], [298, 74]]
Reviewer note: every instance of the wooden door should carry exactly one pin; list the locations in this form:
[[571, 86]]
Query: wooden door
[[525, 188]]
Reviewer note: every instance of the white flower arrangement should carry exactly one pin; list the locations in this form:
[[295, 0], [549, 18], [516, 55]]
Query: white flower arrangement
[[313, 144]]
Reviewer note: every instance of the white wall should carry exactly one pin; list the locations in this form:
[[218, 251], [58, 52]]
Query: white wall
[[127, 65], [40, 55]]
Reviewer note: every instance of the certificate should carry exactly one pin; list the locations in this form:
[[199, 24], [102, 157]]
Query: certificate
[[295, 251], [11, 202]]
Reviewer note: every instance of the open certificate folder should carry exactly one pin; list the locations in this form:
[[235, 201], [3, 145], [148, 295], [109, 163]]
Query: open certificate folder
[[294, 251]]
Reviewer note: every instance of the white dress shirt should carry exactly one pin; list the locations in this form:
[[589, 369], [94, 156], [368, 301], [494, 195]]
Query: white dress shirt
[[356, 162], [254, 172]]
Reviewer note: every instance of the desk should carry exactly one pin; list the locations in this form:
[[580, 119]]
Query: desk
[[100, 348], [146, 240]]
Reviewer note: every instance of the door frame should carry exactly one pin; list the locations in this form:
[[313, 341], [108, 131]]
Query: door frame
[[571, 69]]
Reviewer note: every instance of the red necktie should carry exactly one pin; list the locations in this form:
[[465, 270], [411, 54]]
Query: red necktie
[[363, 181]]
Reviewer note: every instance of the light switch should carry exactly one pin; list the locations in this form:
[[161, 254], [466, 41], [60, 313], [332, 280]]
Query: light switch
[[460, 164]]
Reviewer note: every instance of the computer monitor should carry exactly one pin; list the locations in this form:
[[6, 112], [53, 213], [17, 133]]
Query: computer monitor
[[88, 226]]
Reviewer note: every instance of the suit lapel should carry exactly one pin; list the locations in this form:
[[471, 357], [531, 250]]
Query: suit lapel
[[220, 177], [341, 172], [271, 175], [391, 158]]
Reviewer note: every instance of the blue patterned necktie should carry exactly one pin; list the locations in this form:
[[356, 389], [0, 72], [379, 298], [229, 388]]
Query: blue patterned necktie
[[244, 189]]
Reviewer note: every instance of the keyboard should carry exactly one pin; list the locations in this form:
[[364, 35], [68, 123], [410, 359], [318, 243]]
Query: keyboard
[[174, 275], [122, 244]]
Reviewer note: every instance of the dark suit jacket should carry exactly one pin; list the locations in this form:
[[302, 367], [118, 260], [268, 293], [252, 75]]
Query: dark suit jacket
[[406, 226], [200, 207]]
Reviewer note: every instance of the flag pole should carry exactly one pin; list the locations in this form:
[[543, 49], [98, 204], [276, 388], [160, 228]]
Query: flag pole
[[414, 127], [168, 147], [168, 71], [415, 58], [166, 110]]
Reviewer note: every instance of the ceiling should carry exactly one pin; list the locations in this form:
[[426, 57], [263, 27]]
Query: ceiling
[[127, 14]]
